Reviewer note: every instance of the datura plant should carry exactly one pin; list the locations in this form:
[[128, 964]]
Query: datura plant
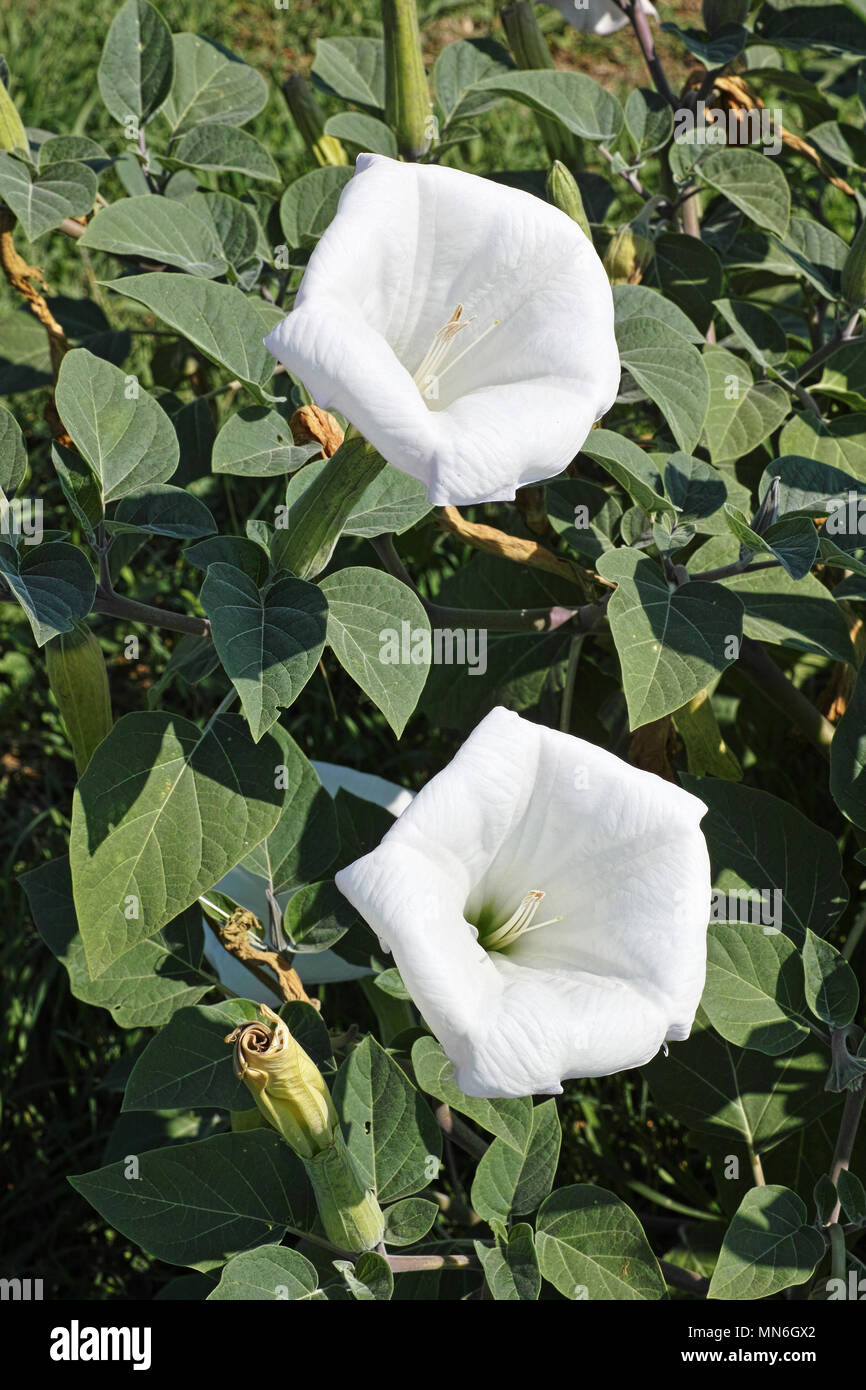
[[433, 502]]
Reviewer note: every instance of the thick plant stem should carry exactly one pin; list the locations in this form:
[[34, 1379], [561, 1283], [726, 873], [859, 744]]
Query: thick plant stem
[[851, 1113], [763, 672], [640, 24], [115, 606]]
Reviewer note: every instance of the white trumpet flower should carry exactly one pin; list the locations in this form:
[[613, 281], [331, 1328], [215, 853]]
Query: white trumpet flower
[[465, 328], [525, 815], [600, 17]]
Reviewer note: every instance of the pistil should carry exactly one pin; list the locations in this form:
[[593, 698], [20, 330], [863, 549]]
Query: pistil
[[519, 923]]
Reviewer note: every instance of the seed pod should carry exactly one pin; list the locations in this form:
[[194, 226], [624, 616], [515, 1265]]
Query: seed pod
[[627, 256], [79, 683]]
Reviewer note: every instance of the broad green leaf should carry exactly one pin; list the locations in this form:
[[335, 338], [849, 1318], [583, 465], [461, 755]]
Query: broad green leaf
[[42, 201], [143, 987], [120, 430], [211, 85], [832, 992], [317, 917], [257, 443], [218, 319], [25, 362], [671, 641], [511, 1266], [269, 643], [390, 504], [157, 229], [223, 147], [457, 71], [670, 371], [768, 1246], [591, 1246], [236, 551], [741, 412], [631, 467], [309, 204], [797, 613], [509, 1120], [304, 841], [756, 330], [162, 812], [352, 68], [388, 1127], [53, 583], [793, 541], [199, 1204], [852, 1195], [641, 301], [409, 1220], [369, 1278], [806, 485], [380, 633], [268, 1273], [583, 513], [13, 136], [761, 845], [232, 223], [844, 376], [13, 451], [689, 272], [509, 1182], [137, 63], [816, 251], [754, 991], [366, 132], [753, 183], [839, 443], [848, 758], [163, 510], [715, 50], [649, 120], [58, 148], [733, 1093], [575, 100], [695, 487], [835, 28]]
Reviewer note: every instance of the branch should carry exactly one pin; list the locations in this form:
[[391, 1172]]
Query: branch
[[851, 1113], [406, 1264], [763, 672], [643, 34], [115, 606]]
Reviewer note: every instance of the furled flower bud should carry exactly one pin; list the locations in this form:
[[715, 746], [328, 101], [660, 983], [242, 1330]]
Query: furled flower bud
[[291, 1093], [854, 270], [407, 97], [563, 192], [627, 256], [310, 120]]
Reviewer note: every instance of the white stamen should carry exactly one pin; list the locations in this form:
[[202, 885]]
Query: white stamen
[[431, 370], [519, 923]]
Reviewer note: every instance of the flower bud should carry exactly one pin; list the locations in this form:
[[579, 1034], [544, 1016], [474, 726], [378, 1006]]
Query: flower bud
[[627, 256], [407, 98], [310, 120], [291, 1093], [563, 192], [79, 684], [854, 270]]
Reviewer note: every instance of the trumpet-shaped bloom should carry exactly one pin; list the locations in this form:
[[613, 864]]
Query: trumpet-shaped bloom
[[600, 17], [546, 905], [463, 327]]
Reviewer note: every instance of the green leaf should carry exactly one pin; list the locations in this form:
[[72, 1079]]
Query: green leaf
[[753, 183], [759, 843], [304, 841], [125, 437], [13, 451], [231, 222], [374, 623], [390, 504], [848, 758], [409, 1220], [649, 120], [817, 253], [137, 63], [741, 412], [831, 27], [388, 1127], [510, 1120], [844, 375], [162, 812], [369, 1278], [510, 1182], [199, 1204], [768, 1246], [456, 74], [695, 487], [353, 69], [309, 204], [793, 541], [671, 641], [268, 1273], [13, 136], [511, 1267], [852, 1195], [269, 643], [717, 50], [754, 991], [640, 301], [575, 100], [366, 132], [58, 148], [224, 147], [591, 1245], [756, 330], [317, 917], [832, 992], [218, 319], [257, 443], [689, 272], [733, 1093], [670, 371], [143, 987], [42, 201], [211, 85], [839, 443], [158, 229], [633, 469], [163, 510], [797, 613], [53, 583], [236, 551]]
